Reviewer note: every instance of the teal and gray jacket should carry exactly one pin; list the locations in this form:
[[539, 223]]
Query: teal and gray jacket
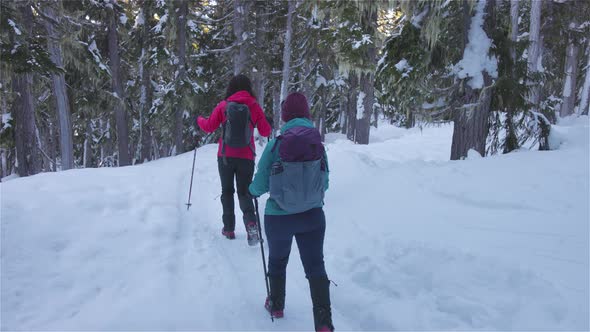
[[260, 184]]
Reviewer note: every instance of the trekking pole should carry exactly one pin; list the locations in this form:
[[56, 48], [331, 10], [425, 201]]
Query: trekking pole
[[188, 204], [190, 190], [263, 259]]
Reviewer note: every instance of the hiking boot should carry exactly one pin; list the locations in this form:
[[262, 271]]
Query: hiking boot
[[275, 313], [228, 234], [275, 304], [253, 236], [320, 297]]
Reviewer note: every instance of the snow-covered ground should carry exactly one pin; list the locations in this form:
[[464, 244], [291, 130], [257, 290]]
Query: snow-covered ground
[[414, 242]]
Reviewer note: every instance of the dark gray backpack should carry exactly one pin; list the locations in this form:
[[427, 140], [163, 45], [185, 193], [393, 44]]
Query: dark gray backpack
[[237, 132]]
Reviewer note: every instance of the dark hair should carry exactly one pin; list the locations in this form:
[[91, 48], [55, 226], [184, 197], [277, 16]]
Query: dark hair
[[239, 83]]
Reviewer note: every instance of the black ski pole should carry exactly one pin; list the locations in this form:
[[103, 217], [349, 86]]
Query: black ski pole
[[188, 205], [263, 259]]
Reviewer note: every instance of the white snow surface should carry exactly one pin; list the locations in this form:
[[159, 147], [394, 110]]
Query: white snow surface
[[476, 58], [414, 242]]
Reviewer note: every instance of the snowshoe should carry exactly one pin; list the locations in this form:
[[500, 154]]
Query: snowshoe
[[228, 234], [275, 313], [253, 236]]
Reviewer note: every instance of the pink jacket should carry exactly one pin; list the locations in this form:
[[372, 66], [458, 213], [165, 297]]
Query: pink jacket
[[218, 117]]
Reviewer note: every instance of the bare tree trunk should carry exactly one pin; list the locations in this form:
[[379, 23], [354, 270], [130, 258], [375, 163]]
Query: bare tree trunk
[[240, 14], [146, 90], [511, 142], [115, 66], [514, 4], [182, 11], [343, 117], [471, 123], [322, 125], [52, 146], [410, 118], [277, 113], [585, 95], [535, 50], [367, 79], [23, 111], [309, 88], [59, 90], [363, 115], [3, 153], [261, 66], [28, 157], [351, 106], [471, 126], [45, 137], [287, 51], [571, 75], [87, 158]]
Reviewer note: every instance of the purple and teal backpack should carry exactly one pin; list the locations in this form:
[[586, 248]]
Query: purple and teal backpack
[[297, 178]]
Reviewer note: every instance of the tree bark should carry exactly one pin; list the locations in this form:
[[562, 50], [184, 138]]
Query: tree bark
[[115, 66], [287, 50], [363, 119], [471, 126], [367, 78], [571, 75], [261, 66], [23, 111], [146, 90], [59, 89], [239, 24], [351, 107], [514, 4], [4, 162], [585, 95], [535, 89], [343, 116], [511, 142], [87, 158], [277, 112], [182, 12]]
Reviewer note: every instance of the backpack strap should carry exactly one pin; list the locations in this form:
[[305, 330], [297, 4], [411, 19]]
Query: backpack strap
[[224, 158], [276, 142]]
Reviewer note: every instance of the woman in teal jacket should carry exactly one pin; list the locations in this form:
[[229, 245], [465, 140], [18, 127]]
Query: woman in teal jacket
[[308, 227]]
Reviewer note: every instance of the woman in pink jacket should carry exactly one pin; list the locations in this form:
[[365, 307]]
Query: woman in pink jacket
[[237, 162]]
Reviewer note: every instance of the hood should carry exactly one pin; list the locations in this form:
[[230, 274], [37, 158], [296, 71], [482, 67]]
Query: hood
[[297, 122], [242, 97]]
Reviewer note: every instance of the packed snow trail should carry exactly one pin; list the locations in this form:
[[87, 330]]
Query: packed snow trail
[[414, 242]]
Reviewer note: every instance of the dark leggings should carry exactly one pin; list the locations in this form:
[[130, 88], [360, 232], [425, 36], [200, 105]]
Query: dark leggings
[[309, 228], [242, 170]]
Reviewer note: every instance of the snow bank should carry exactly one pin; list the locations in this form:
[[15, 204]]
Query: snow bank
[[414, 242]]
